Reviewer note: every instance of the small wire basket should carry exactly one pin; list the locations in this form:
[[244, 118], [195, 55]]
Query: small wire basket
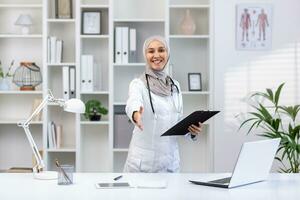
[[27, 76]]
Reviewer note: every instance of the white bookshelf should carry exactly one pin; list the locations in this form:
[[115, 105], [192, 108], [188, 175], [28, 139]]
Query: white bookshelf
[[129, 64], [96, 92], [21, 92], [15, 122], [61, 20], [94, 123], [190, 6], [62, 64], [29, 36], [87, 144], [61, 150], [120, 150], [21, 5], [94, 6], [189, 36], [95, 36]]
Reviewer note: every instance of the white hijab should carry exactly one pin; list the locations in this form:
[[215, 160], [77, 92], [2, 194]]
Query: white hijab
[[159, 81]]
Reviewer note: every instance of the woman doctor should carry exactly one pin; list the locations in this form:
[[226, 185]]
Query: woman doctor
[[154, 105]]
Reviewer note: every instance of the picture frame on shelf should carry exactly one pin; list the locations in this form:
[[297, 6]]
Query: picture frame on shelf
[[63, 9], [91, 22], [194, 81]]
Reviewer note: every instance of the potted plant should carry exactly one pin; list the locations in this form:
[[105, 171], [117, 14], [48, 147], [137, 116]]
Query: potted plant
[[94, 109], [277, 121]]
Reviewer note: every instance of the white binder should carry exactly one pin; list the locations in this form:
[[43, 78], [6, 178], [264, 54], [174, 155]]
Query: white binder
[[65, 76], [132, 45], [83, 73], [59, 46], [125, 45], [118, 45], [48, 50], [72, 82], [90, 72], [53, 50]]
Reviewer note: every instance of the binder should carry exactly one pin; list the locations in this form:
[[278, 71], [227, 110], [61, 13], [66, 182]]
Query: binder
[[58, 136], [181, 128], [118, 45], [132, 45], [59, 46], [98, 76], [48, 50], [49, 135], [72, 82], [52, 49], [90, 72], [65, 77], [53, 132], [125, 44], [83, 73]]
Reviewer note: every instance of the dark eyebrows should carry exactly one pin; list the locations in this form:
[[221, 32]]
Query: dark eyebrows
[[159, 48]]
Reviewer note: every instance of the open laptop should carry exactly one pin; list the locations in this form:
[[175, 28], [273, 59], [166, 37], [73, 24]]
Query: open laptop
[[253, 165]]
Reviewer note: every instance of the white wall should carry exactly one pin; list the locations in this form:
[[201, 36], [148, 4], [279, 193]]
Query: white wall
[[237, 73]]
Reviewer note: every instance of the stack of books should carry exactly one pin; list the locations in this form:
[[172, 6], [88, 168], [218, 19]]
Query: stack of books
[[55, 50], [54, 135]]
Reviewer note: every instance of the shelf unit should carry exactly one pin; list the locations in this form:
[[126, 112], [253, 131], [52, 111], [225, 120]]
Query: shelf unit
[[197, 50], [90, 145]]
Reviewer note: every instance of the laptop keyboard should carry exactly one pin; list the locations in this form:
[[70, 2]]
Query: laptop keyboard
[[221, 181]]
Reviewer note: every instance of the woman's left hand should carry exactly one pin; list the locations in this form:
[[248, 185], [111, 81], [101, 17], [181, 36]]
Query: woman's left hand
[[195, 130]]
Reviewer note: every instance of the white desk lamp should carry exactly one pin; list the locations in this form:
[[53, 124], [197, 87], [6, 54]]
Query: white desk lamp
[[71, 105]]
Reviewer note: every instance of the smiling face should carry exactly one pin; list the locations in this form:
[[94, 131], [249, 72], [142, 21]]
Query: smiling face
[[156, 55]]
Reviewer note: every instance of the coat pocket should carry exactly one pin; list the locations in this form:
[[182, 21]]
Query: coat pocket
[[141, 158], [133, 164]]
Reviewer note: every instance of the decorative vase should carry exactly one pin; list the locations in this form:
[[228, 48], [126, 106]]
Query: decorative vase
[[187, 24], [4, 84]]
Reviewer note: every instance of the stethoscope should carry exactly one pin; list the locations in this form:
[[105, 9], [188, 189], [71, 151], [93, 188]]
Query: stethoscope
[[172, 85]]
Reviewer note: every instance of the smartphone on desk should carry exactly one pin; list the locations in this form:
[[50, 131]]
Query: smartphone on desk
[[113, 185]]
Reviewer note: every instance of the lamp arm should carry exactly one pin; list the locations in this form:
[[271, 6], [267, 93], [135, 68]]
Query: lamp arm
[[25, 125], [40, 163], [48, 98], [36, 111]]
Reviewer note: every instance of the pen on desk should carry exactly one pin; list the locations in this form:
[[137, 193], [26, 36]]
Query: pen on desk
[[117, 178]]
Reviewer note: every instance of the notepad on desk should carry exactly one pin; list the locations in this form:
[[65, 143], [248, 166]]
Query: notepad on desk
[[158, 184]]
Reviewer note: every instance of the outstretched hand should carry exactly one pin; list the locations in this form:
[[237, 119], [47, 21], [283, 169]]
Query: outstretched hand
[[137, 118]]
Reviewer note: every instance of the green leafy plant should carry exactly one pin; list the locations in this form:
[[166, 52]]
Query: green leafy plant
[[94, 108], [277, 121], [7, 74]]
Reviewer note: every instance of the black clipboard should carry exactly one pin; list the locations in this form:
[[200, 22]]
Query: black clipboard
[[181, 128]]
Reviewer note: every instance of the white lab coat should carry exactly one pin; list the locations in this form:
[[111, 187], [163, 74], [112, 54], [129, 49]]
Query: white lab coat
[[148, 151]]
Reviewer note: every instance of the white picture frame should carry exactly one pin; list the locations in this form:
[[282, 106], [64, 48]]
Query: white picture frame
[[91, 22], [254, 27]]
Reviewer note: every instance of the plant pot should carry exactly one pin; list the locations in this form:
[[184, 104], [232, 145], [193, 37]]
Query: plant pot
[[95, 117]]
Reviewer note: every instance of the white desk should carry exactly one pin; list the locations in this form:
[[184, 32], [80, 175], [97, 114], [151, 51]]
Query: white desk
[[23, 186]]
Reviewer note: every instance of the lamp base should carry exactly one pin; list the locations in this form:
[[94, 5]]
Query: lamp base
[[45, 175], [25, 30]]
